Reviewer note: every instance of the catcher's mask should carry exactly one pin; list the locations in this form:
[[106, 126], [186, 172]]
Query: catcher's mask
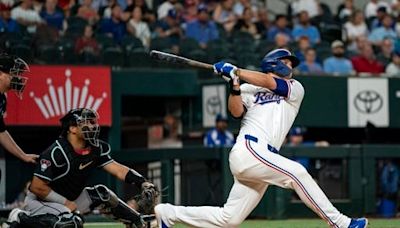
[[87, 122], [16, 67]]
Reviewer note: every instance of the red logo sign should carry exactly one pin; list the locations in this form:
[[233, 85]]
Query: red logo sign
[[52, 91]]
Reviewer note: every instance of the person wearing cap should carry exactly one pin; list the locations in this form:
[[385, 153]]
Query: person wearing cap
[[169, 27], [164, 8], [202, 29], [219, 136], [385, 31], [372, 7], [338, 64], [393, 69]]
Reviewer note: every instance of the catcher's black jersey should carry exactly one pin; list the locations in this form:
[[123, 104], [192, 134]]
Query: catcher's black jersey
[[3, 106], [68, 171]]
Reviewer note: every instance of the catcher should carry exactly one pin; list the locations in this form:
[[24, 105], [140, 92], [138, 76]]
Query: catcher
[[58, 191]]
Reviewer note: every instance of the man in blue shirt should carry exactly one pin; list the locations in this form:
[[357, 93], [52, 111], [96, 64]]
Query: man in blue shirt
[[219, 136], [304, 28], [338, 64], [385, 31], [280, 26], [114, 25], [202, 29], [53, 16], [7, 24]]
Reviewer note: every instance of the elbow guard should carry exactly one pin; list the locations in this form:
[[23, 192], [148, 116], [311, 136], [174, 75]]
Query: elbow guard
[[134, 177]]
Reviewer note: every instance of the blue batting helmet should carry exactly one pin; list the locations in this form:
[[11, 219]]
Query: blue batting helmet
[[278, 54]]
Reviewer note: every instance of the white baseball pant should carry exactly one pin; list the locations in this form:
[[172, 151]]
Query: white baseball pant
[[254, 168]]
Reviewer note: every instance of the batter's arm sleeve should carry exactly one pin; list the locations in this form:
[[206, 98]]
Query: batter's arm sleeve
[[296, 91]]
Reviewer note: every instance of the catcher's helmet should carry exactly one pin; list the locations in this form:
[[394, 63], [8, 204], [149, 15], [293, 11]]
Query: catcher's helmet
[[278, 54], [14, 66], [86, 120]]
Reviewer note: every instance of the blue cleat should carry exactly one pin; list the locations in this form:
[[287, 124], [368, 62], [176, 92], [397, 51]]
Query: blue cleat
[[358, 223]]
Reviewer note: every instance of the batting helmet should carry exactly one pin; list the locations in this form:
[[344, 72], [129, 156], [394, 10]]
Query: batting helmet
[[86, 120], [278, 54]]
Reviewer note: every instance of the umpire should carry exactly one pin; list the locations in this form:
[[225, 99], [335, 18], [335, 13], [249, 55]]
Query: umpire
[[12, 69], [58, 187]]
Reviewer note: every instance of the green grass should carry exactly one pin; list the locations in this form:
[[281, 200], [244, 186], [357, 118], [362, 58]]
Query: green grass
[[291, 223]]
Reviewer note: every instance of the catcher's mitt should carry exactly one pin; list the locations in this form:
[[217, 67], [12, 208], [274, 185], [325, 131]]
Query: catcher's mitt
[[147, 199]]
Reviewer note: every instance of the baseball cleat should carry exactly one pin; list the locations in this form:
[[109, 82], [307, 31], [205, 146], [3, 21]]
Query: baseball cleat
[[358, 223]]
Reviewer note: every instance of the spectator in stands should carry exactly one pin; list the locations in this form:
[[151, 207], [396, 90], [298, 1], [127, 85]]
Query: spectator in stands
[[88, 13], [164, 8], [345, 10], [385, 31], [263, 22], [354, 28], [139, 28], [310, 66], [219, 136], [304, 28], [52, 15], [372, 7], [169, 27], [87, 47], [169, 134], [396, 7], [191, 10], [385, 51], [310, 6], [7, 24], [281, 41], [224, 15], [338, 64], [114, 26], [203, 29], [241, 5], [96, 4], [280, 26], [245, 23], [393, 68], [366, 64], [303, 45], [147, 14], [378, 20], [26, 16]]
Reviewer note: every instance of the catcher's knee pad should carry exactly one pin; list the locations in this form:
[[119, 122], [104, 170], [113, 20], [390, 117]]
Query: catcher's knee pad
[[65, 220]]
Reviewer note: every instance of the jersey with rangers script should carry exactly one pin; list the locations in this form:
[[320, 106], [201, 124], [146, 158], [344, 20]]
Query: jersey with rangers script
[[270, 114], [66, 170]]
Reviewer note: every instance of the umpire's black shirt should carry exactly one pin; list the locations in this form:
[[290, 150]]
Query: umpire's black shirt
[[66, 170]]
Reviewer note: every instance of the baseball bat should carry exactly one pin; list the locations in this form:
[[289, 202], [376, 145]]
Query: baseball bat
[[176, 59]]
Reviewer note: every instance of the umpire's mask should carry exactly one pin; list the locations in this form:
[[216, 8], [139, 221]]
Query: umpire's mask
[[88, 123], [15, 67]]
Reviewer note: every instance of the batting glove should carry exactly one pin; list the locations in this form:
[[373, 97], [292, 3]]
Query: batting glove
[[227, 70]]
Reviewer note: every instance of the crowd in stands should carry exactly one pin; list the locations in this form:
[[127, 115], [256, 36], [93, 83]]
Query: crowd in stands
[[120, 32]]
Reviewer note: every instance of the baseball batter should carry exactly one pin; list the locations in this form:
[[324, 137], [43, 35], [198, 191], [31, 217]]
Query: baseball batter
[[268, 105]]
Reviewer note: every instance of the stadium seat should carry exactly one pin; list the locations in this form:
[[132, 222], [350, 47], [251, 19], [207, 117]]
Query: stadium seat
[[248, 60], [265, 46], [130, 42], [187, 45], [198, 54], [76, 26], [239, 36], [138, 57], [113, 56], [23, 51], [217, 53], [160, 44], [66, 47], [48, 54], [331, 32], [105, 41]]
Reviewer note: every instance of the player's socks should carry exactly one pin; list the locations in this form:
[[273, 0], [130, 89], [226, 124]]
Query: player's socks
[[358, 223]]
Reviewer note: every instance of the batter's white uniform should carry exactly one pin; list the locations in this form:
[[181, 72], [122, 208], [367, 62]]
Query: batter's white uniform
[[256, 164]]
